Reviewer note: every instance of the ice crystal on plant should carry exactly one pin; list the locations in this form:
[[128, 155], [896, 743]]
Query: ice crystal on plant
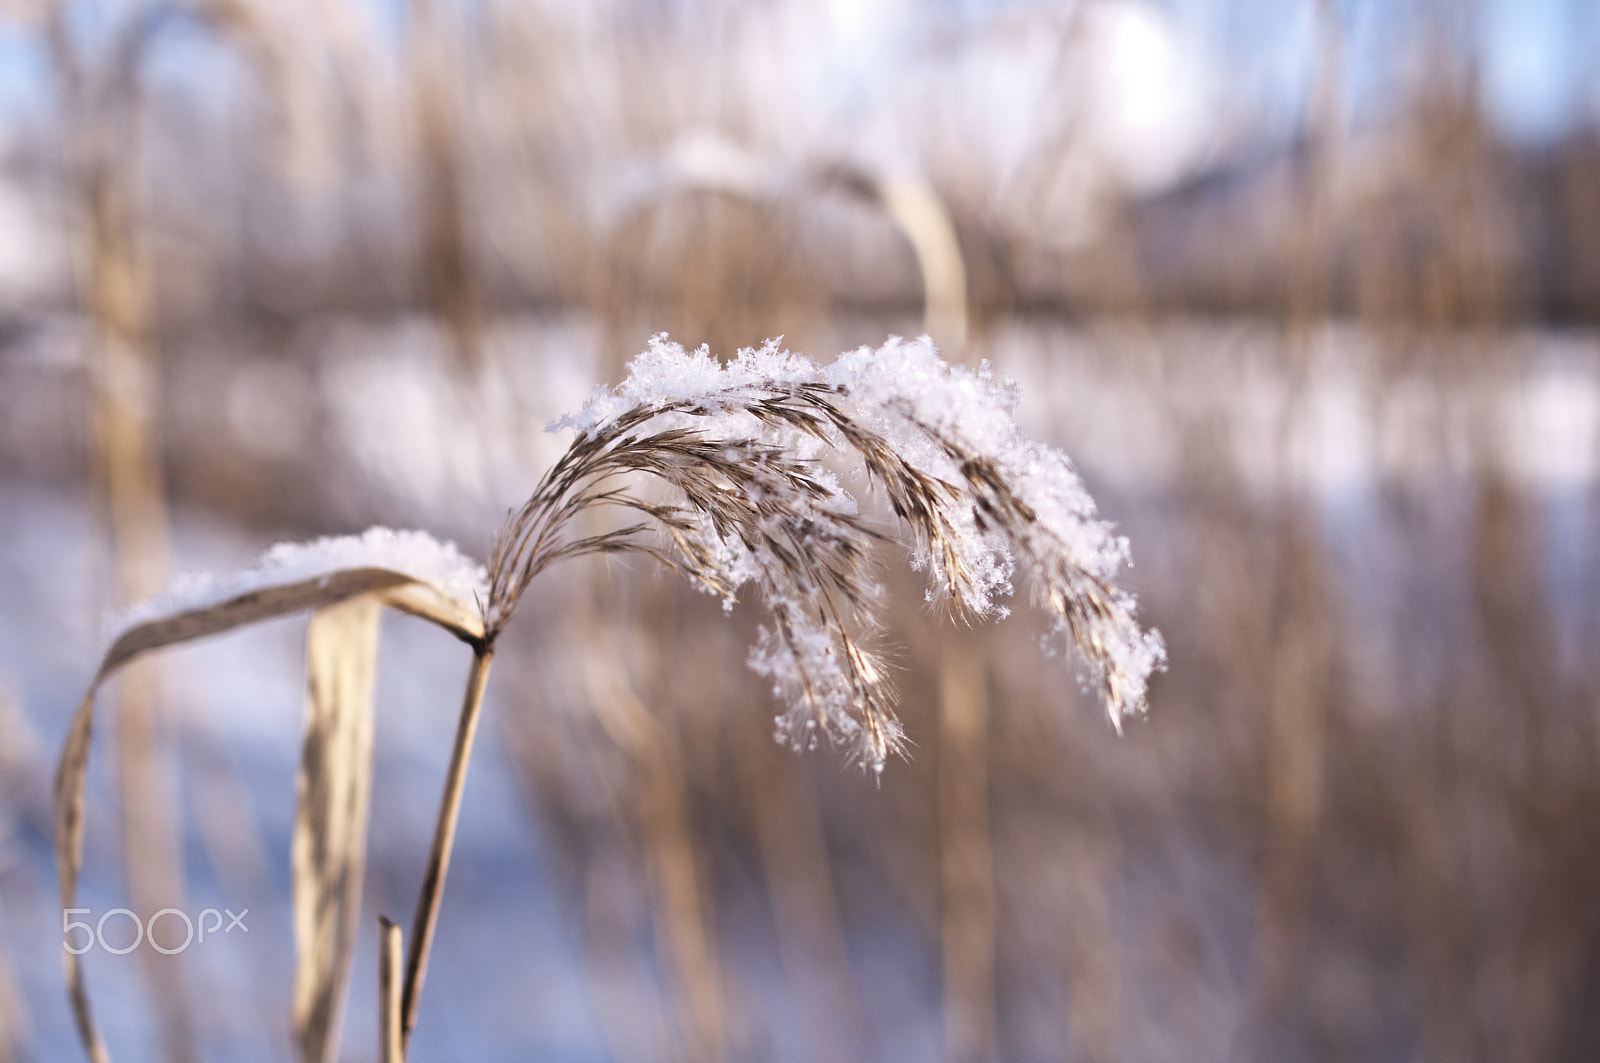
[[755, 454]]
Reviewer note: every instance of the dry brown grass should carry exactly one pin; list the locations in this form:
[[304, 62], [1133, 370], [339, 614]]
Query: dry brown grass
[[1427, 835]]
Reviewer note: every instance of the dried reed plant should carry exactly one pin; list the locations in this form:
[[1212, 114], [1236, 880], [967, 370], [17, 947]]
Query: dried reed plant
[[741, 447], [731, 475]]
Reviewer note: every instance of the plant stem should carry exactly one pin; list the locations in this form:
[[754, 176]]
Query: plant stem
[[444, 836], [390, 1049]]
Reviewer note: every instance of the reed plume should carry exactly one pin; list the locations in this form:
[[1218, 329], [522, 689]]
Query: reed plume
[[755, 456]]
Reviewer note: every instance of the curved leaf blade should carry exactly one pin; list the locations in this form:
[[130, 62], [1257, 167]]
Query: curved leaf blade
[[332, 795], [186, 624]]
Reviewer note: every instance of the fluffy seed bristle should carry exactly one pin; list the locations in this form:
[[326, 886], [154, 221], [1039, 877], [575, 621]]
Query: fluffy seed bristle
[[751, 454]]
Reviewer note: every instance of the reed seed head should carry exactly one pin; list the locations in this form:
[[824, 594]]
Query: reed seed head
[[736, 474]]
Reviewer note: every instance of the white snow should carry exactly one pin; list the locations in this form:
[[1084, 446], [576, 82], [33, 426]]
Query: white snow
[[411, 553]]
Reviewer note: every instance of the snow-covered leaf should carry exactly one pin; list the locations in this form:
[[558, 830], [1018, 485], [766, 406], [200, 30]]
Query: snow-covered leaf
[[408, 571]]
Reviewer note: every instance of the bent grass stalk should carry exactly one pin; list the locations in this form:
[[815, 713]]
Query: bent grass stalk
[[730, 475]]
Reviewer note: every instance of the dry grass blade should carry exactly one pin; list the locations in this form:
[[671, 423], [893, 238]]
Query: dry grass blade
[[185, 624], [332, 793], [390, 958], [923, 217], [678, 893], [966, 853], [400, 590]]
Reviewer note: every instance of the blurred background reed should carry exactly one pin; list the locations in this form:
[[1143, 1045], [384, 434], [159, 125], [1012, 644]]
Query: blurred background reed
[[1309, 291]]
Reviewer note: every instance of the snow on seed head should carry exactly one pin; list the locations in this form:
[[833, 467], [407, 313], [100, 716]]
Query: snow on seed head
[[756, 451]]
